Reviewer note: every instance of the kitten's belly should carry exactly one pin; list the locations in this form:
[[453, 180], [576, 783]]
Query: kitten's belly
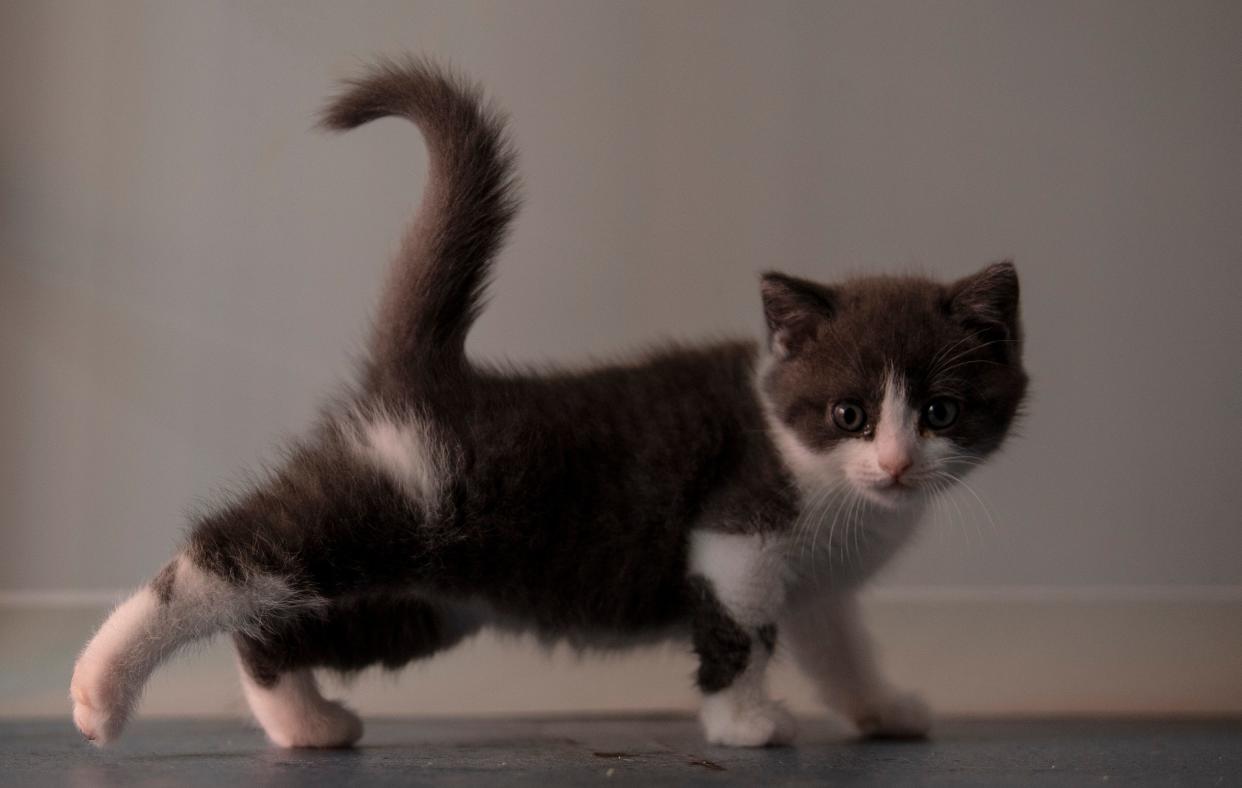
[[589, 605], [479, 613]]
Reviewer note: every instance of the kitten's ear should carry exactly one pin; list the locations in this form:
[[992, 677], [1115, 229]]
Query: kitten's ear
[[795, 310], [988, 301]]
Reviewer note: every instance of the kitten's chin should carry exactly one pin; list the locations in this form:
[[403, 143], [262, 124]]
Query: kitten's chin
[[890, 496]]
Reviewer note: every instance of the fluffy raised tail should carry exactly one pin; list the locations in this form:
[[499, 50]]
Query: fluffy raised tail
[[435, 287]]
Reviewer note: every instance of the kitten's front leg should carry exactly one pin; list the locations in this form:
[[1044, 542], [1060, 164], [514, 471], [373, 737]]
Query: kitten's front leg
[[736, 592], [830, 645]]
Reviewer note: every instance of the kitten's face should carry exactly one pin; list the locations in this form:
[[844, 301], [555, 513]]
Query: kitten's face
[[890, 387]]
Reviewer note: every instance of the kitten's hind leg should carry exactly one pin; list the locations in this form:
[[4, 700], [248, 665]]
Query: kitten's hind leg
[[349, 635], [182, 604], [293, 713]]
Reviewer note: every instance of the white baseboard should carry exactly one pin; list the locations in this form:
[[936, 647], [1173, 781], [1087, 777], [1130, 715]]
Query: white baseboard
[[1115, 650]]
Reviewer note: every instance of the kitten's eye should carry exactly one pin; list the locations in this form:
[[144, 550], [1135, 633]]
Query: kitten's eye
[[849, 415], [940, 413]]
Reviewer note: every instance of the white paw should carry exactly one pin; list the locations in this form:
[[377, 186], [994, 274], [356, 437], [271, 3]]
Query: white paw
[[100, 706], [328, 725], [731, 724], [293, 713], [895, 716], [109, 675]]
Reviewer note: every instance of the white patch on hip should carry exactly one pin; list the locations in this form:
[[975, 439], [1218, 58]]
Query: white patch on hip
[[406, 451]]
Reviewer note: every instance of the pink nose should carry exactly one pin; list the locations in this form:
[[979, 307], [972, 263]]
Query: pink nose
[[895, 466]]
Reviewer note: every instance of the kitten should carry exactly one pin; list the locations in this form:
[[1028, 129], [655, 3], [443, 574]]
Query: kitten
[[722, 493]]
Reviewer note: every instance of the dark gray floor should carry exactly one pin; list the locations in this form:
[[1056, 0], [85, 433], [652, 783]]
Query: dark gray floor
[[648, 751]]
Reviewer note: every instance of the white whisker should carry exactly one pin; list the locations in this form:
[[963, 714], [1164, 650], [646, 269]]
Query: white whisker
[[986, 509]]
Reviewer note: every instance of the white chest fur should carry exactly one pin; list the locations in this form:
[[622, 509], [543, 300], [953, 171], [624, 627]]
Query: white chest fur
[[841, 543]]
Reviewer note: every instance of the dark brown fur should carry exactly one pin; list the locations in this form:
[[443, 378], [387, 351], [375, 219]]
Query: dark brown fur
[[568, 496]]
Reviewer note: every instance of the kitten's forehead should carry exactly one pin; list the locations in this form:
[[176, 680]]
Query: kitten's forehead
[[886, 327]]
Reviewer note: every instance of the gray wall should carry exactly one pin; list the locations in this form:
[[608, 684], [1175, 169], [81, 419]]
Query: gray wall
[[185, 268]]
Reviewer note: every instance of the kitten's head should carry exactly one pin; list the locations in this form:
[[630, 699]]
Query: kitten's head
[[892, 385]]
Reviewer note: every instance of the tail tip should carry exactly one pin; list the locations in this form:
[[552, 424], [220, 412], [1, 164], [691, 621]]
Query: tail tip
[[407, 85]]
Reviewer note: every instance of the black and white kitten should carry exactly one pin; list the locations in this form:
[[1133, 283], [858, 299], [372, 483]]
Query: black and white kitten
[[722, 493]]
